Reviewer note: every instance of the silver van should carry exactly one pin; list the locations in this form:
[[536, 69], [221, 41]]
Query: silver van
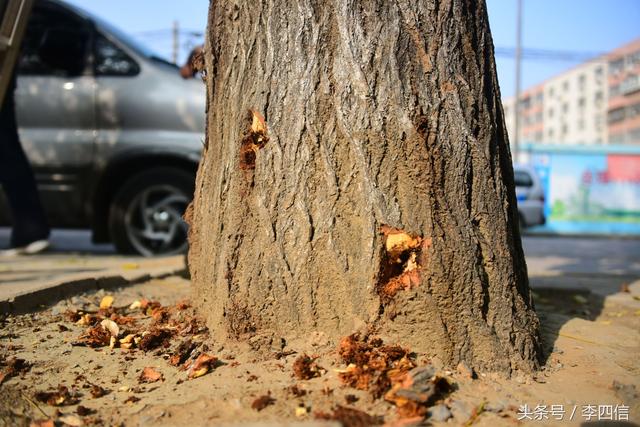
[[114, 134], [530, 196]]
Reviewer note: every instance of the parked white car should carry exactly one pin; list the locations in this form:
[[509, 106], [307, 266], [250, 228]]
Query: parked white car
[[530, 195]]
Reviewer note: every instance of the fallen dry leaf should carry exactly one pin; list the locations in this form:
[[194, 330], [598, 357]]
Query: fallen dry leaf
[[95, 336], [106, 302], [350, 417], [72, 316], [124, 320], [183, 352], [203, 364], [414, 391], [372, 365], [84, 411], [128, 341], [305, 368], [111, 326], [97, 391], [132, 399], [13, 367], [183, 304], [150, 375], [154, 338], [60, 397], [262, 402], [160, 314], [350, 399], [297, 391], [71, 420], [301, 411], [42, 423]]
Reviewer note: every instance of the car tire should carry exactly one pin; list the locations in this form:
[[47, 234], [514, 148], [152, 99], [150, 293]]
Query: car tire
[[145, 215]]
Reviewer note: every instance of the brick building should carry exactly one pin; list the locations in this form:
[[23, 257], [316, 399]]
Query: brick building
[[624, 94], [594, 103]]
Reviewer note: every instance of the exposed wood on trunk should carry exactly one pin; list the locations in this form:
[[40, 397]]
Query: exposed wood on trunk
[[378, 114]]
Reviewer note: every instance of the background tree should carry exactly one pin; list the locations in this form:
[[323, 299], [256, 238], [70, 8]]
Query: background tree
[[378, 189]]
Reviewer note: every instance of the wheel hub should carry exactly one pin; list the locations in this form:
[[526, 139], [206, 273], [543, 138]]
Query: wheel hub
[[154, 221]]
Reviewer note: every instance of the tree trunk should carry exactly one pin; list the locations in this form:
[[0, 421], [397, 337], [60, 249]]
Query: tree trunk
[[377, 191]]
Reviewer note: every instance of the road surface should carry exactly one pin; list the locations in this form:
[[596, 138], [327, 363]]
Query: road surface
[[601, 265]]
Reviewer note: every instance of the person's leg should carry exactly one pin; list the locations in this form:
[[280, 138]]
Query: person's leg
[[18, 182]]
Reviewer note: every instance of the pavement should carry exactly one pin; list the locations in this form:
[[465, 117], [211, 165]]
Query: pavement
[[72, 265], [597, 265]]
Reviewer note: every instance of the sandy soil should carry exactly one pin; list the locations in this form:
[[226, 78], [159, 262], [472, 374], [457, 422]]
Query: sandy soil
[[593, 359]]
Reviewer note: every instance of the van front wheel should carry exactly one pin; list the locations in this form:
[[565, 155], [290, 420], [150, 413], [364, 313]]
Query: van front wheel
[[146, 213]]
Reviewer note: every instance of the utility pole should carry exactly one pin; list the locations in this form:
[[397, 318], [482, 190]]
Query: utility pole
[[176, 41], [516, 137]]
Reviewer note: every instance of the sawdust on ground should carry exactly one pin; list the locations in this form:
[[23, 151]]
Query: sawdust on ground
[[593, 343]]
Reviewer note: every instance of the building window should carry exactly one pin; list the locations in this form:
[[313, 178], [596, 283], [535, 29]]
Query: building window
[[582, 82], [617, 66], [630, 84], [539, 98], [616, 115], [633, 110], [551, 92], [565, 129], [581, 102], [616, 138], [614, 90], [598, 73], [565, 86], [598, 122], [550, 112], [633, 136], [565, 108], [550, 133], [597, 98], [581, 124]]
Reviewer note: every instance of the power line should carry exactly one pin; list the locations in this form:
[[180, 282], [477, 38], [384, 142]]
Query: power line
[[530, 54], [168, 32], [550, 54]]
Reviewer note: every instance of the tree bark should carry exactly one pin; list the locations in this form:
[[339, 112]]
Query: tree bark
[[381, 118]]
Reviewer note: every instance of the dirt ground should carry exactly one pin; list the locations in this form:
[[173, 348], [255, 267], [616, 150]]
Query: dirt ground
[[593, 349]]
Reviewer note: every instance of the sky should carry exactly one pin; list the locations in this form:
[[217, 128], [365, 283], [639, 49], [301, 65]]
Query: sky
[[573, 29]]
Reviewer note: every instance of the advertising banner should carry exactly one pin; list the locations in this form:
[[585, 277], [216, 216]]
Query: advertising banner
[[589, 191]]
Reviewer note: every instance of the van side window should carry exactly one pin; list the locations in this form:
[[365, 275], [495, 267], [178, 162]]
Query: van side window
[[110, 60], [522, 179], [56, 43]]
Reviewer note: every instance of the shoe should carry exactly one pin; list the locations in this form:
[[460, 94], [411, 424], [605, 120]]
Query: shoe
[[31, 249]]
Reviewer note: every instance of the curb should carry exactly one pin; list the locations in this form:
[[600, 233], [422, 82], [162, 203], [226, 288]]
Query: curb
[[50, 294]]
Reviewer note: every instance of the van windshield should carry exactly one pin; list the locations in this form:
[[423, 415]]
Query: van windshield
[[125, 38]]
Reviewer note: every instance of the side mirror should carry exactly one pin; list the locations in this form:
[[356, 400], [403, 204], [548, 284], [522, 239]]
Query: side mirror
[[64, 49]]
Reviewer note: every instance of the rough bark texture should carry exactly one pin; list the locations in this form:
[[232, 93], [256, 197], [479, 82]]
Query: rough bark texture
[[378, 114]]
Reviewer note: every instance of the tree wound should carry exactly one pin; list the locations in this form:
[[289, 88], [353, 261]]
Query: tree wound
[[254, 139], [404, 255]]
